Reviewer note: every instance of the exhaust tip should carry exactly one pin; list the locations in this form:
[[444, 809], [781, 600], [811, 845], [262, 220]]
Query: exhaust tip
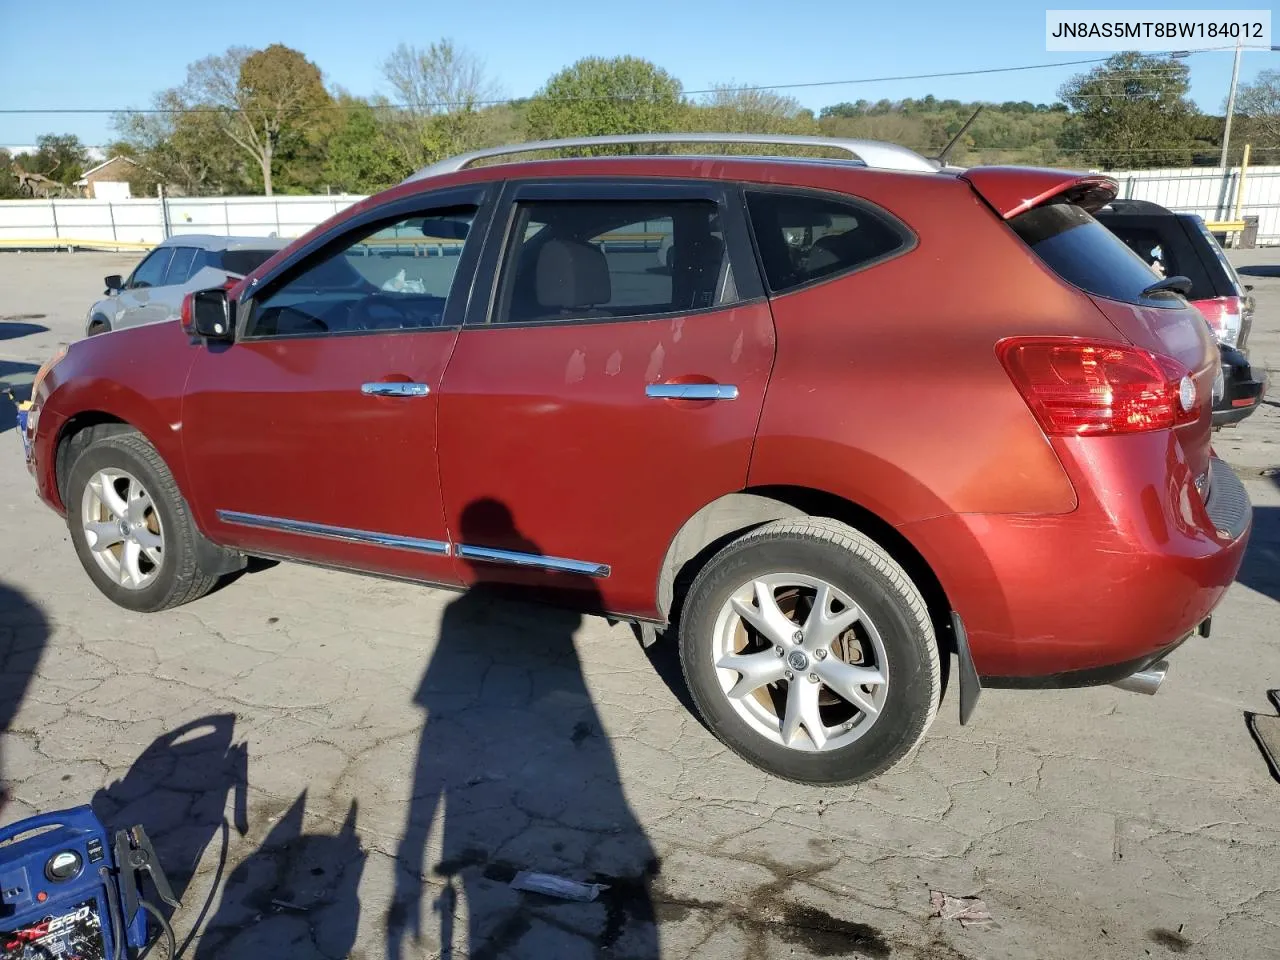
[[1145, 681]]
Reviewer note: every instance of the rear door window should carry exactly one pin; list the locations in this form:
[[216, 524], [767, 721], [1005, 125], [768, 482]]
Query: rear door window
[[604, 259], [1088, 255], [805, 237]]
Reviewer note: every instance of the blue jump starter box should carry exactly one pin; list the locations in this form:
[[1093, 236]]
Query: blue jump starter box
[[60, 887]]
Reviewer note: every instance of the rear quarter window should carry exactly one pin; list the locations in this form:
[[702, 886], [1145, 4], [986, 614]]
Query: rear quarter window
[[1087, 255], [244, 262], [803, 238]]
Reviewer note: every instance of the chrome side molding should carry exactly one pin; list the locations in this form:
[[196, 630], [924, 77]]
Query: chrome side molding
[[691, 391], [535, 560], [347, 534], [434, 547]]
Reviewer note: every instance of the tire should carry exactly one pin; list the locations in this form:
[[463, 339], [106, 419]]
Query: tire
[[99, 325], [177, 578], [878, 626]]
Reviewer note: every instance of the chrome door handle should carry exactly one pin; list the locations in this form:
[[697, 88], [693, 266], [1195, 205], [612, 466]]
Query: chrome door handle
[[394, 389], [692, 391]]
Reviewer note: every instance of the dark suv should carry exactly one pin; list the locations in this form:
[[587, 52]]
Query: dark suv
[[1179, 244], [660, 388]]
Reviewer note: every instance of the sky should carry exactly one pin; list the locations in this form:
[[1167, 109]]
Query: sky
[[111, 57]]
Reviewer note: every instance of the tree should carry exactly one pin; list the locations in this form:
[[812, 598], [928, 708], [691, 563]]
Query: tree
[[732, 109], [441, 91], [60, 156], [185, 150], [1131, 111], [598, 96], [264, 101], [361, 158], [1259, 104]]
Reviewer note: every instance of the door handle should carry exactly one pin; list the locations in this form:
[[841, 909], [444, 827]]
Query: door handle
[[692, 391], [385, 388]]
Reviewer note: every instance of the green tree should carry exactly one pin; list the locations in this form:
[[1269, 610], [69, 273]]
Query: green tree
[[60, 156], [441, 91], [266, 102], [361, 156], [1258, 103], [734, 109], [182, 149], [598, 96], [1131, 111]]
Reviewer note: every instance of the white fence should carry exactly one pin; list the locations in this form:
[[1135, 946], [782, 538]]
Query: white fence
[[1207, 191], [1211, 193], [148, 221]]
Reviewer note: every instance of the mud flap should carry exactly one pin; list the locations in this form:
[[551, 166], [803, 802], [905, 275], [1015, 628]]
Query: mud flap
[[970, 685]]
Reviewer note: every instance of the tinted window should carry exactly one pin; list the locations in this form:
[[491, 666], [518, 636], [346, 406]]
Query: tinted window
[[1221, 256], [180, 267], [150, 272], [1161, 245], [803, 238], [395, 277], [243, 262], [1085, 253], [585, 259]]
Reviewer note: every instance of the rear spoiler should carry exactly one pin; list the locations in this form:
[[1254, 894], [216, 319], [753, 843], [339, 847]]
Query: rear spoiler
[[1014, 190]]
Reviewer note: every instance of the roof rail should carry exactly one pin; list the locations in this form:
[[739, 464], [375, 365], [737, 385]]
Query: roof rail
[[870, 153]]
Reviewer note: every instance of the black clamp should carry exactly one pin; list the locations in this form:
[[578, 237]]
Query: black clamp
[[135, 855]]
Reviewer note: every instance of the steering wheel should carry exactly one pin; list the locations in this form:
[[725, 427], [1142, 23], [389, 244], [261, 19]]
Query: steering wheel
[[379, 312]]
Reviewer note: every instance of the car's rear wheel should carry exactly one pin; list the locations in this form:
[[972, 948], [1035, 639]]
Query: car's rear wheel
[[131, 527], [810, 653], [99, 325]]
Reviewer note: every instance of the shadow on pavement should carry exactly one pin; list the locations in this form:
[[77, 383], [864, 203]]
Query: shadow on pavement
[[11, 328], [1259, 270], [15, 377], [514, 772], [24, 632], [297, 895], [1261, 568], [178, 790]]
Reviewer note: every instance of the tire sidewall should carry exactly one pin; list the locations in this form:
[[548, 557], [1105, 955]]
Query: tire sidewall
[[108, 454], [910, 701]]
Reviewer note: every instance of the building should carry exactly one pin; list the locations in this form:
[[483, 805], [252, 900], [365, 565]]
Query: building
[[109, 180]]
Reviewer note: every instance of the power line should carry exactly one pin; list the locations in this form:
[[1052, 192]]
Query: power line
[[446, 105]]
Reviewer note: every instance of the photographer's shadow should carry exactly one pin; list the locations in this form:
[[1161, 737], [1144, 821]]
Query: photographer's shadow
[[514, 772], [178, 790]]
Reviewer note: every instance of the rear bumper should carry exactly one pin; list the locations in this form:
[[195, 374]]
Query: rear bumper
[[1092, 596]]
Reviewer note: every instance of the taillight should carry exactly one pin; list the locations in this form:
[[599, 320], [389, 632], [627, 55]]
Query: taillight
[[1225, 316], [1089, 387], [187, 316]]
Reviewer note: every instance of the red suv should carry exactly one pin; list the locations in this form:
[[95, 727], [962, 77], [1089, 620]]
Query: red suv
[[836, 421]]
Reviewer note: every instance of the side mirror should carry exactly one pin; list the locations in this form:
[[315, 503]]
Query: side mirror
[[210, 314], [115, 283]]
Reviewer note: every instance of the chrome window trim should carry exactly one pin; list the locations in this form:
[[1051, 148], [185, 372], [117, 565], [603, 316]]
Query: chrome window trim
[[346, 534], [535, 560]]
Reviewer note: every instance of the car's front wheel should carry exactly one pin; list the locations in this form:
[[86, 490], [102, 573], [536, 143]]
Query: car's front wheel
[[131, 527], [810, 653]]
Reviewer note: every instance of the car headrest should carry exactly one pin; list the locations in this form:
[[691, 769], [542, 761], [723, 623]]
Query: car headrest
[[572, 274]]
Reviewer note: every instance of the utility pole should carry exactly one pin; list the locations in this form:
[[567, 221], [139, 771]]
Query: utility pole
[[1231, 105]]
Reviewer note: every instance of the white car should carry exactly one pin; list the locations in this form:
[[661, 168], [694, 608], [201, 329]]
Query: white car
[[154, 291]]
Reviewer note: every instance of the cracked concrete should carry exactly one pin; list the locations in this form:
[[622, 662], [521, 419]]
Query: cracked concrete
[[336, 766]]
